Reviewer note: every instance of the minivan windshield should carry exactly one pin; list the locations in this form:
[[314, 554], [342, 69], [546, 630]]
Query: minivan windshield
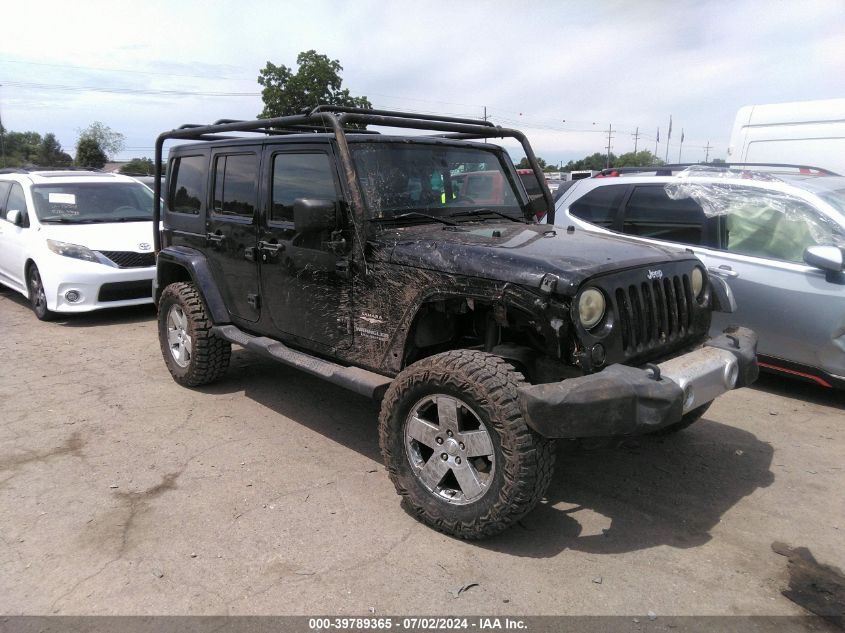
[[92, 202], [420, 181]]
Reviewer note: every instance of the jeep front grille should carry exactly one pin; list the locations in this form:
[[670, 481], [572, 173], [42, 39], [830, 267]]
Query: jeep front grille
[[130, 259], [654, 313]]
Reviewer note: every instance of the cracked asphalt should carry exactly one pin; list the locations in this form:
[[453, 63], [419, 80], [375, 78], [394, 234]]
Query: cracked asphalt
[[124, 493]]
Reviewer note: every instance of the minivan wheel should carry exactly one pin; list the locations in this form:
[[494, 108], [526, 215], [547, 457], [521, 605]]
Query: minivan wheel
[[191, 352], [37, 296], [457, 447]]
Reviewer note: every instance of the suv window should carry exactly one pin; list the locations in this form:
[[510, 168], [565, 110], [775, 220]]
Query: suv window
[[299, 175], [774, 227], [187, 184], [600, 205], [650, 212], [234, 184], [4, 191]]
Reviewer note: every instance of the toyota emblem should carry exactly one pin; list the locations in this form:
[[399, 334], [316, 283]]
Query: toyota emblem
[[144, 246]]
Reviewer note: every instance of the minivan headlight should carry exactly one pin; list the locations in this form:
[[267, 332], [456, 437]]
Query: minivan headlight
[[591, 307], [72, 250]]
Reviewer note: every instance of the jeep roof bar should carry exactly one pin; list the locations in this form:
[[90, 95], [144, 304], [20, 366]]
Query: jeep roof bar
[[334, 119]]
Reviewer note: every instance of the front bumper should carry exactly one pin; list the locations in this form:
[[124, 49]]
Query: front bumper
[[623, 400]]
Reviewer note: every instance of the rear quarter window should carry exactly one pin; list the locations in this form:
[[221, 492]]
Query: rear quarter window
[[187, 184]]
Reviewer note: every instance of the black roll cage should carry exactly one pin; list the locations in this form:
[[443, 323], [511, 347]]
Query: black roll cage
[[335, 119]]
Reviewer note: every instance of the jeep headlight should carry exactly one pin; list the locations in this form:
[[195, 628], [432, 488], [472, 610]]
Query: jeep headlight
[[591, 307], [697, 281], [72, 250]]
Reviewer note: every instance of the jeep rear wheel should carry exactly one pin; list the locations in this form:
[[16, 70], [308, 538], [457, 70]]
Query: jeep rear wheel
[[457, 448], [192, 353]]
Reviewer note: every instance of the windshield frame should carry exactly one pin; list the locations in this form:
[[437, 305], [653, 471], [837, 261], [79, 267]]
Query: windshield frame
[[369, 159]]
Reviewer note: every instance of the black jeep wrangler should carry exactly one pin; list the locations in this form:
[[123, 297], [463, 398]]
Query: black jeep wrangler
[[410, 269]]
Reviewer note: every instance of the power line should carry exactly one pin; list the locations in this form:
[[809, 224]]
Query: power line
[[131, 91]]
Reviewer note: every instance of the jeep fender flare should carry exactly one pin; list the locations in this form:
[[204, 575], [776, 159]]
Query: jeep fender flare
[[179, 263]]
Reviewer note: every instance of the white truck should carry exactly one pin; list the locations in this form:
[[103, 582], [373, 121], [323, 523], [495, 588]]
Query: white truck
[[800, 132]]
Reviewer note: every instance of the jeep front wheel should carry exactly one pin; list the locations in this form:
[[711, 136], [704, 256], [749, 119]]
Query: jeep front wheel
[[192, 353], [457, 448]]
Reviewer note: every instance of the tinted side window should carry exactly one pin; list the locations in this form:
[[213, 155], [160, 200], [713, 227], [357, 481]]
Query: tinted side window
[[300, 176], [600, 205], [650, 212], [4, 191], [187, 184], [235, 184]]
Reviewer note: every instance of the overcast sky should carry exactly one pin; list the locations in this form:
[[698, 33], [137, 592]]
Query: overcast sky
[[563, 72]]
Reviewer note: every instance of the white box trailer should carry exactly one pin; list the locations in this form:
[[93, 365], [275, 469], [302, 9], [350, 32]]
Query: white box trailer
[[801, 132]]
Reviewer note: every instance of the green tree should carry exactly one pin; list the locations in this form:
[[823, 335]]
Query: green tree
[[316, 81], [640, 159], [143, 166], [524, 164], [89, 153], [597, 161], [109, 141], [50, 153], [21, 148]]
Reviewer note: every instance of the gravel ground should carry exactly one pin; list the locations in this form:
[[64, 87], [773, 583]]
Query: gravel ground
[[124, 493]]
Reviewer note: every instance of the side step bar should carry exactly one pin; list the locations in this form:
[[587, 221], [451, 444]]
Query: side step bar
[[359, 380]]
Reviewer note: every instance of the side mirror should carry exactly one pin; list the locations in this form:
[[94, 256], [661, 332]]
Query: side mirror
[[311, 215], [828, 258], [15, 217], [538, 209]]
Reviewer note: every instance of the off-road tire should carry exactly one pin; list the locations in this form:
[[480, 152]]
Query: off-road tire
[[687, 420], [524, 460], [37, 296], [209, 355]]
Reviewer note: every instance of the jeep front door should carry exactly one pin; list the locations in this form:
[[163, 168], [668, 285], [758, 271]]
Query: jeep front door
[[304, 248], [231, 228]]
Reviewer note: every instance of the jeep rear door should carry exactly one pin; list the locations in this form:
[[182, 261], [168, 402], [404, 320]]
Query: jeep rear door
[[305, 282], [231, 227]]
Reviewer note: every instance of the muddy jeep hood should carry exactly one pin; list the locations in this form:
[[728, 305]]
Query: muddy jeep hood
[[520, 253]]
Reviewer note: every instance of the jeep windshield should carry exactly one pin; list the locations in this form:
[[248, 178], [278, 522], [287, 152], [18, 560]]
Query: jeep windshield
[[422, 183], [93, 202]]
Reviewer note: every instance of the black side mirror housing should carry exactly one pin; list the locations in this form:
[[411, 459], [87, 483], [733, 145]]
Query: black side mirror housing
[[311, 215], [538, 208]]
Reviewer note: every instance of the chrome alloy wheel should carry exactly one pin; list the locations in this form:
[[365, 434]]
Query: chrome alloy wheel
[[178, 339], [36, 288], [449, 448]]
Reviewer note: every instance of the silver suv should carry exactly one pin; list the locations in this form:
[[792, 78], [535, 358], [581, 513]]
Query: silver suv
[[775, 233]]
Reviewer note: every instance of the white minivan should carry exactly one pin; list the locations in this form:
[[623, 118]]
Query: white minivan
[[74, 241], [801, 132]]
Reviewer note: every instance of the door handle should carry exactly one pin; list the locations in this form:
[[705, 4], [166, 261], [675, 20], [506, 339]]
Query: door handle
[[215, 237], [271, 247], [723, 271]]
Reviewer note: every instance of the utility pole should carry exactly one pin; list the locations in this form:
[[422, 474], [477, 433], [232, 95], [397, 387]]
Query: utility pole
[[485, 113], [609, 137], [681, 145], [636, 136], [668, 138], [656, 143], [707, 151]]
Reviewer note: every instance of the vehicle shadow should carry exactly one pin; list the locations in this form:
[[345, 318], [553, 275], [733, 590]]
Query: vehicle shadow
[[647, 491], [107, 316], [778, 385], [332, 411]]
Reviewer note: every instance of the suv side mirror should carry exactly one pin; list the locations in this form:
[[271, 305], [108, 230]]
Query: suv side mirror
[[311, 215], [15, 217], [828, 258], [538, 209]]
